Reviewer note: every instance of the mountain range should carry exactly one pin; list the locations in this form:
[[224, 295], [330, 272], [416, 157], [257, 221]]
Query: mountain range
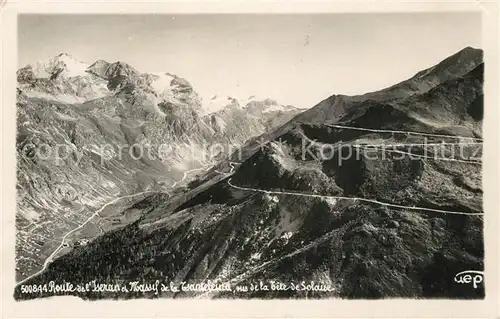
[[88, 133], [365, 195]]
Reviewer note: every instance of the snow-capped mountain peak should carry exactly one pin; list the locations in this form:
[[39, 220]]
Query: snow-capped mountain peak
[[252, 105], [256, 105], [61, 65], [219, 102], [72, 66], [61, 78]]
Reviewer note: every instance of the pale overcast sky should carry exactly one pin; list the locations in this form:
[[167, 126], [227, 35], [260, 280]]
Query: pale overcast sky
[[294, 59]]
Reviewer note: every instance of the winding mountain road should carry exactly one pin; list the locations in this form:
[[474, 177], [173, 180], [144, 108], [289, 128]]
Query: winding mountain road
[[401, 132], [231, 164], [96, 213]]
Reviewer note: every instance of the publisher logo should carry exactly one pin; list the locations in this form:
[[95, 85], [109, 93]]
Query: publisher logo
[[474, 277]]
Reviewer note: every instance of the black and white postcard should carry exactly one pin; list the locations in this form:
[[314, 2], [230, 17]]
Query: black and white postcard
[[249, 156]]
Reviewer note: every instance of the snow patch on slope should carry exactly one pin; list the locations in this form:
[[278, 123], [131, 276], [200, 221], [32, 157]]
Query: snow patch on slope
[[73, 66], [274, 108], [217, 103], [161, 82]]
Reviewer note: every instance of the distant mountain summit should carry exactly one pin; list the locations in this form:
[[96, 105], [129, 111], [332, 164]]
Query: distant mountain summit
[[252, 105], [62, 65], [64, 78], [455, 68], [258, 107], [217, 103], [61, 78]]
